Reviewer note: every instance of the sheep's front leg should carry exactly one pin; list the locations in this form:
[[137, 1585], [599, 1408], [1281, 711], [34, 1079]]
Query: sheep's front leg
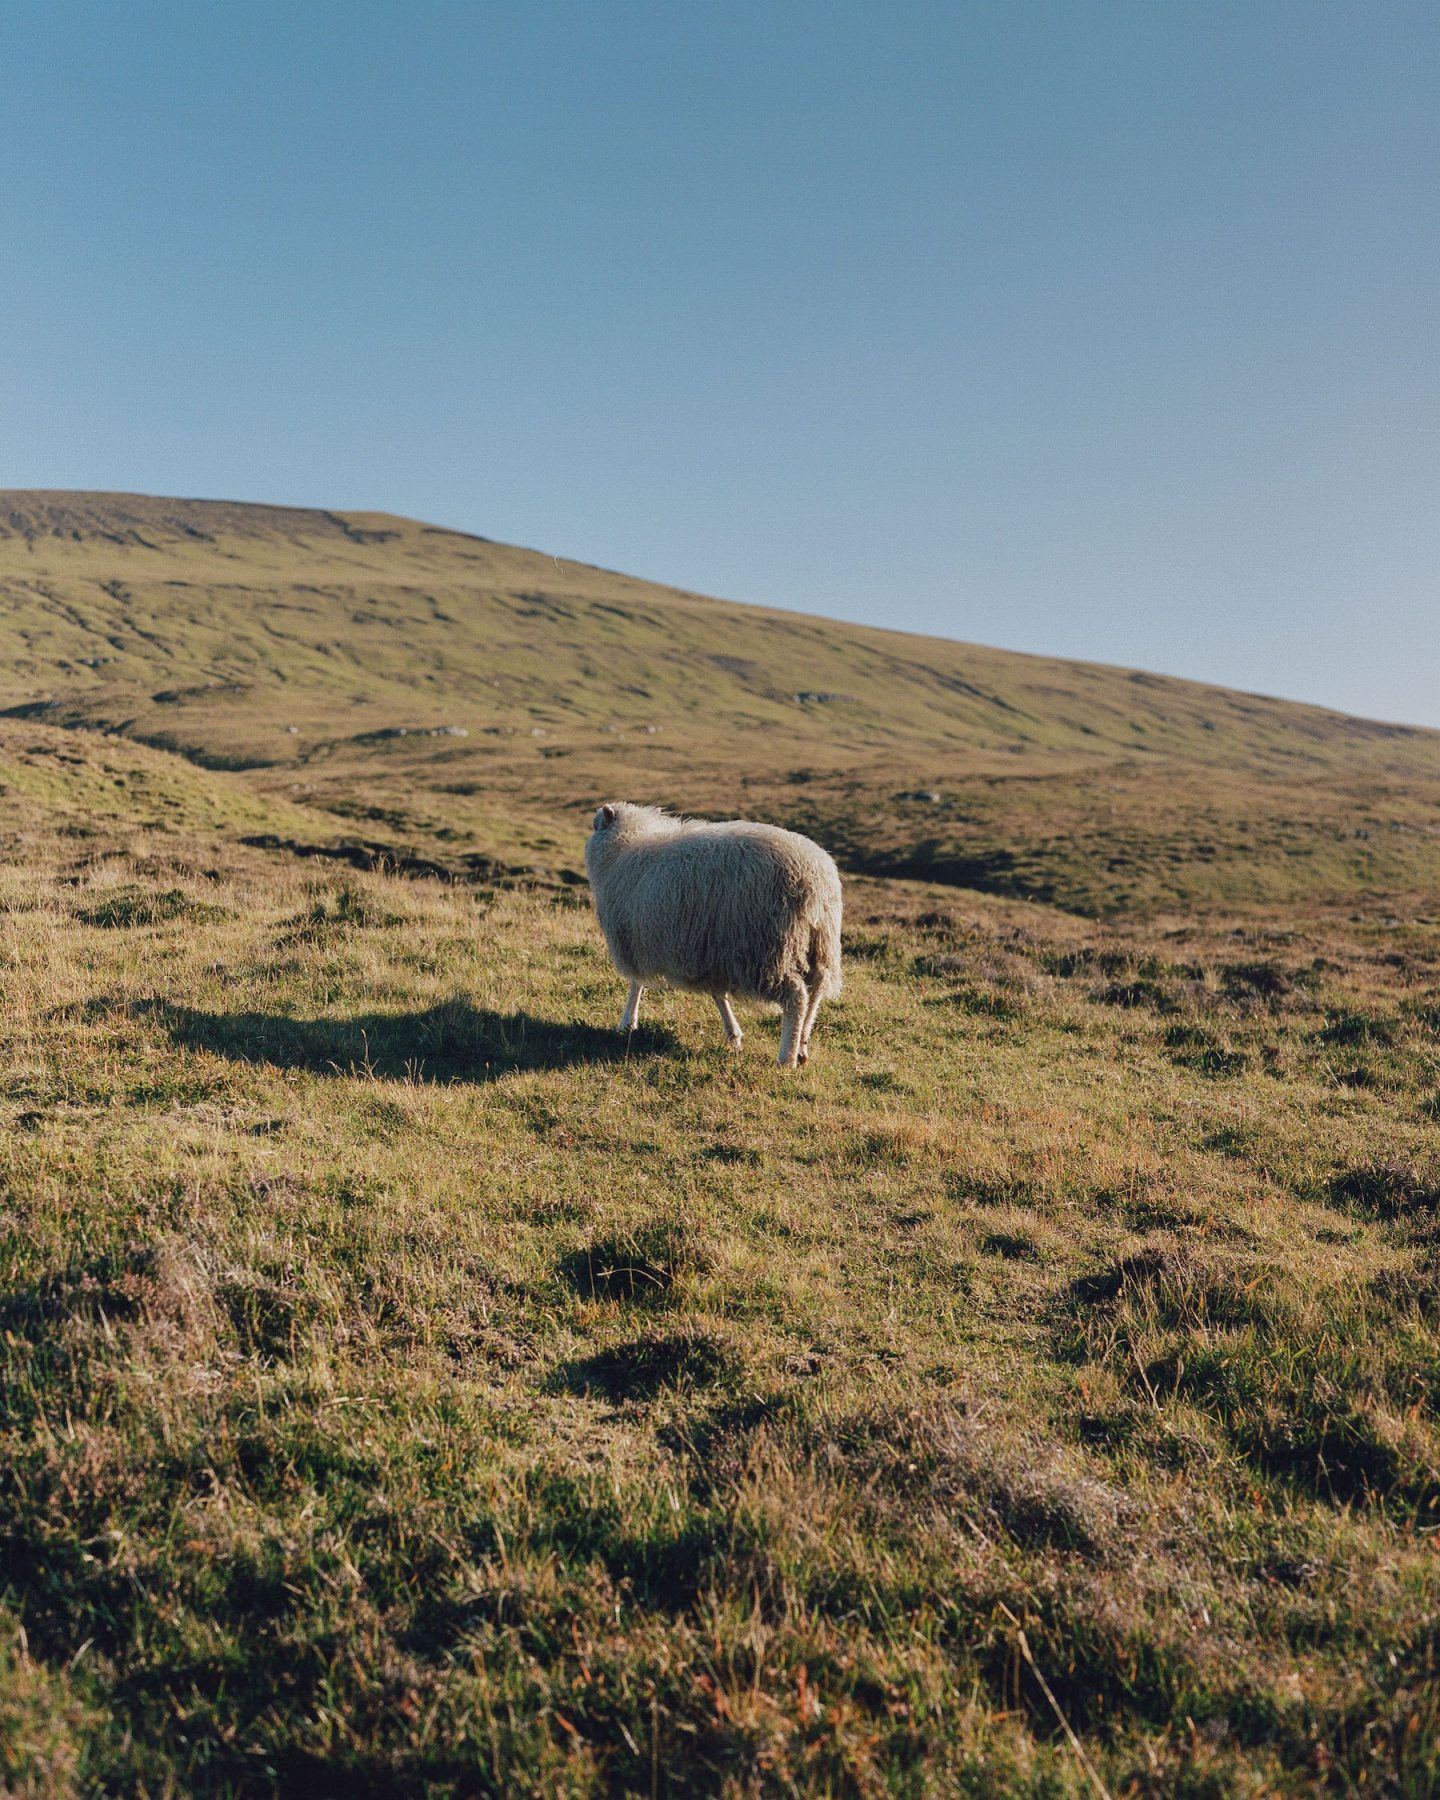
[[792, 1019], [630, 1018], [734, 1036]]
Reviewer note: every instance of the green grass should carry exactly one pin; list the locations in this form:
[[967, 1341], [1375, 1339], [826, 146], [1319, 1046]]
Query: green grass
[[411, 1387]]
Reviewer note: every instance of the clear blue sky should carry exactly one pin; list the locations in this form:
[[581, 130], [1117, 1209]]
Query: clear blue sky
[[1110, 328]]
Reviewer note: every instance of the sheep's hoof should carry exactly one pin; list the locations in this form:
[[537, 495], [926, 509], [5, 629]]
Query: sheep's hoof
[[803, 1057], [733, 1044]]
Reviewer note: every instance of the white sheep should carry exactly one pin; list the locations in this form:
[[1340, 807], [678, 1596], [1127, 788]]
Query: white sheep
[[720, 909]]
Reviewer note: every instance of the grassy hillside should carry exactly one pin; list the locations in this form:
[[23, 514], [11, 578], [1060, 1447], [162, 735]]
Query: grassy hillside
[[461, 697], [408, 1388]]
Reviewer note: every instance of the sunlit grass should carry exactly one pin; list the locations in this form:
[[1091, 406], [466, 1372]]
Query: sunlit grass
[[409, 1385]]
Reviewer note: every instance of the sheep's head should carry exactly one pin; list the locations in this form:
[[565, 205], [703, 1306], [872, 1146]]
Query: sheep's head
[[602, 841], [622, 821]]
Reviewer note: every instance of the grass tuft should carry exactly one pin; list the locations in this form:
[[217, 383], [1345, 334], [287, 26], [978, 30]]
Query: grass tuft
[[1391, 1190], [647, 1365], [129, 907], [640, 1267]]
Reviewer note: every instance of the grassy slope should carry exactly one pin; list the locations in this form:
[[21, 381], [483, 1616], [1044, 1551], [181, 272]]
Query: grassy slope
[[406, 1389], [285, 641]]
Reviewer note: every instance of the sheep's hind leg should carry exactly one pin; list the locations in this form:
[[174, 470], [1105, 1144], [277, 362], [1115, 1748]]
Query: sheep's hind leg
[[792, 1017], [808, 1026], [734, 1036], [630, 1018]]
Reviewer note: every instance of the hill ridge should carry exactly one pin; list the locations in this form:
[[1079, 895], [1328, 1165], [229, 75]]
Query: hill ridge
[[327, 651], [59, 518]]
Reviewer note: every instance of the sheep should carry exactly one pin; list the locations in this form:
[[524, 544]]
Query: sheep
[[721, 909]]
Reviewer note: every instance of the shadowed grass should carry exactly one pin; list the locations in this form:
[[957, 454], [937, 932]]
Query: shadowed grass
[[453, 1041]]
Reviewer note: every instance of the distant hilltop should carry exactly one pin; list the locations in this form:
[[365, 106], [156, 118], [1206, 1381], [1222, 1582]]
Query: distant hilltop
[[311, 646]]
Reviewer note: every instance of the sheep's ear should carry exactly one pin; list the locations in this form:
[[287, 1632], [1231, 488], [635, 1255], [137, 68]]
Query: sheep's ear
[[605, 816]]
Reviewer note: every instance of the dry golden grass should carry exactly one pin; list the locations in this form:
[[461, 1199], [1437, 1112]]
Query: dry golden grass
[[409, 1387]]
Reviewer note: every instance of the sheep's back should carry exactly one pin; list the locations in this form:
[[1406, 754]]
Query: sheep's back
[[719, 908]]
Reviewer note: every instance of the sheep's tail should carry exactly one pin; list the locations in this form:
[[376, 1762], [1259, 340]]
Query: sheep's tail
[[824, 959]]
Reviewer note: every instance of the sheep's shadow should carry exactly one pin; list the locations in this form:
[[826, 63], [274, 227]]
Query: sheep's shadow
[[451, 1042]]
